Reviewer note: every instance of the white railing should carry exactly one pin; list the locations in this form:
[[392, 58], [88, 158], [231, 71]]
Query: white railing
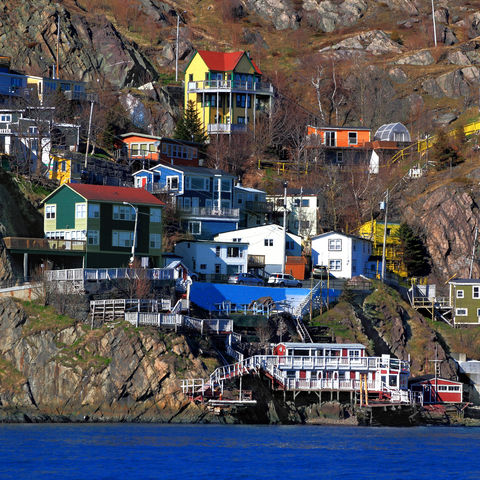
[[226, 127], [218, 326], [98, 274], [211, 212], [314, 297], [227, 85], [130, 304]]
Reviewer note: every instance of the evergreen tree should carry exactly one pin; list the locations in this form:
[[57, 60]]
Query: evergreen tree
[[415, 255], [189, 127], [445, 152]]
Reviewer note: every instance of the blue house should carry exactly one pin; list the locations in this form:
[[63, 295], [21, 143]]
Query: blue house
[[203, 196]]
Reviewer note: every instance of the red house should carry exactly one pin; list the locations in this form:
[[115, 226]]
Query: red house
[[142, 147], [439, 390]]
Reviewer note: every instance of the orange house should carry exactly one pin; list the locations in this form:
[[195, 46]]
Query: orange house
[[340, 137], [139, 146]]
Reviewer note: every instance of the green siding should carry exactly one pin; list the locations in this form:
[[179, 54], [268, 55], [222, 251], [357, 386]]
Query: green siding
[[65, 200], [468, 302]]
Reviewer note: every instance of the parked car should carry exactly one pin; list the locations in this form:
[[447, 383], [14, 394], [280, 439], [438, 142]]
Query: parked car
[[283, 280], [245, 279], [320, 271]]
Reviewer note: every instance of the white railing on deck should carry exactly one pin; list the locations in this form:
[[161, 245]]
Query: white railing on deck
[[98, 274]]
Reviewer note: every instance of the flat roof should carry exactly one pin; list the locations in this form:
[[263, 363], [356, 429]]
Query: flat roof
[[322, 345]]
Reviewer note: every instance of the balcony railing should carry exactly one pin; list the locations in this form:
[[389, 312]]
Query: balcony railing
[[226, 127], [20, 243], [261, 88], [211, 212], [80, 96]]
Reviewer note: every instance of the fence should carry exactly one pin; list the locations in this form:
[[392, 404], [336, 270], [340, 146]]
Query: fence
[[99, 274]]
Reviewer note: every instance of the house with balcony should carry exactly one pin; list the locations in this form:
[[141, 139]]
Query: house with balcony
[[302, 211], [265, 246], [15, 84], [213, 260], [252, 205], [344, 256], [339, 145], [148, 150], [203, 196], [29, 134], [227, 90], [93, 226]]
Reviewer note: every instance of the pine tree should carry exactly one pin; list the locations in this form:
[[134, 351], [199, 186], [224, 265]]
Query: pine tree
[[444, 152], [189, 127], [415, 255]]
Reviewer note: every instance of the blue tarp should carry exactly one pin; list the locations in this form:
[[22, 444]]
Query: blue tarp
[[208, 295]]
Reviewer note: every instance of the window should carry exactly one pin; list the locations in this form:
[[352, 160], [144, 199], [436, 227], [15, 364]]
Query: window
[[226, 185], [93, 210], [50, 211], [242, 98], [236, 240], [268, 242], [335, 244], [354, 265], [155, 215], [152, 147], [203, 266], [335, 265], [63, 166], [218, 268], [33, 130], [453, 388], [134, 149], [461, 312], [197, 183], [172, 183], [155, 240], [217, 251], [195, 228], [92, 237], [80, 210], [289, 245], [123, 212], [339, 157], [122, 239], [352, 138], [459, 293], [475, 292], [5, 118], [330, 139], [234, 252]]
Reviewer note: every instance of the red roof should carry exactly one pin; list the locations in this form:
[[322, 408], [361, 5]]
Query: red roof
[[105, 193], [222, 61]]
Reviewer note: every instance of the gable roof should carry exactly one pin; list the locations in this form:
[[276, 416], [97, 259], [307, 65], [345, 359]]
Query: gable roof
[[193, 170], [342, 234], [106, 193], [224, 61]]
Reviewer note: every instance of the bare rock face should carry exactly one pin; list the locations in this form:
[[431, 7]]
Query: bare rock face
[[326, 15], [280, 12], [423, 57], [116, 374], [405, 6], [87, 47], [448, 217], [375, 42], [452, 84]]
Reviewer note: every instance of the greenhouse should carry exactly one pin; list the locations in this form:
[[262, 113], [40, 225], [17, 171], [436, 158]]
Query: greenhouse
[[393, 132]]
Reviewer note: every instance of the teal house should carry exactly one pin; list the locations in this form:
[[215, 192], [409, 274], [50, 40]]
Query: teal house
[[97, 223]]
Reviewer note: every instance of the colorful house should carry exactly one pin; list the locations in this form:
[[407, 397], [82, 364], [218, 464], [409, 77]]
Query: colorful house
[[340, 144], [203, 196], [438, 390], [69, 167], [464, 299], [103, 219], [149, 149], [227, 90], [373, 231]]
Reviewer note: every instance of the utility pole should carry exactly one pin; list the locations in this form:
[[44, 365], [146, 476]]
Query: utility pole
[[384, 237], [284, 248], [176, 45], [473, 252], [88, 135], [57, 75], [434, 25]]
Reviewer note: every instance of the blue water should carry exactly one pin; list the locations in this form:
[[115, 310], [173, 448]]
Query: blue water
[[133, 451]]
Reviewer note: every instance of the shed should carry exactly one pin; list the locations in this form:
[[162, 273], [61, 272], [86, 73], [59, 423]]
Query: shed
[[393, 132], [438, 390], [296, 266]]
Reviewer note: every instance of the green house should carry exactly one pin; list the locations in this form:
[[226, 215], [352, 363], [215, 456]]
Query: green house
[[97, 222], [465, 301]]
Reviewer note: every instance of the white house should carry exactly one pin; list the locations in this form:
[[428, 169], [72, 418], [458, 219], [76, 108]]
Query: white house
[[265, 245], [346, 256], [302, 211], [211, 259]]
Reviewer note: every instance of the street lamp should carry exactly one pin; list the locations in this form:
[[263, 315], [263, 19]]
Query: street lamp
[[132, 259], [176, 47], [385, 236], [285, 185]]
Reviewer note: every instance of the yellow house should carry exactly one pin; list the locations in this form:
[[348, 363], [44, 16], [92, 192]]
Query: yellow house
[[227, 90], [373, 231]]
